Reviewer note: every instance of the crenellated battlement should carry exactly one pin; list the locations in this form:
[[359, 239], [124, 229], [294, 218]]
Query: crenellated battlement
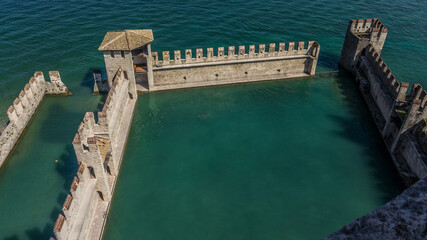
[[98, 145], [67, 203], [366, 26], [401, 118], [396, 112], [59, 223], [155, 71], [226, 65], [74, 184], [25, 105], [360, 34], [418, 98], [380, 76], [385, 75], [56, 86], [90, 188], [208, 56]]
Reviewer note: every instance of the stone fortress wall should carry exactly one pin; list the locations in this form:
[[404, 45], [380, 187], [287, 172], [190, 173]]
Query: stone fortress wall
[[99, 147], [359, 35], [207, 69], [400, 116], [99, 144], [131, 51], [24, 107]]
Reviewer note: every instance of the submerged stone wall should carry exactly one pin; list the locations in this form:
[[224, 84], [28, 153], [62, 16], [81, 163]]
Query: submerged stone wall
[[99, 147], [245, 66], [24, 107]]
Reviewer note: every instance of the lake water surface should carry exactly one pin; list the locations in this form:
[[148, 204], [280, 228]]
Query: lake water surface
[[293, 159]]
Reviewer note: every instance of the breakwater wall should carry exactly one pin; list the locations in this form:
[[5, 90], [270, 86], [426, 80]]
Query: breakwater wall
[[99, 146], [400, 113], [24, 107], [245, 65]]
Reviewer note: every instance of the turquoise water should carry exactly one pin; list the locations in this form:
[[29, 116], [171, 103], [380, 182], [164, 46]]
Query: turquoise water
[[293, 159], [64, 36]]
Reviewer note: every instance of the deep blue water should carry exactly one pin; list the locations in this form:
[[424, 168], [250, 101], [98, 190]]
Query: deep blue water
[[65, 35]]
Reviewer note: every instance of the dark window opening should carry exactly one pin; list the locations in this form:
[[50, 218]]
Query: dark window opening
[[100, 195], [185, 78], [112, 54], [122, 53], [278, 70], [125, 74], [246, 73], [92, 172], [86, 148], [216, 75]]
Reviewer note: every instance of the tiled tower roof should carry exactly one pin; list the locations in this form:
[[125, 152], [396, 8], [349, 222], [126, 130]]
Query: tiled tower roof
[[126, 39]]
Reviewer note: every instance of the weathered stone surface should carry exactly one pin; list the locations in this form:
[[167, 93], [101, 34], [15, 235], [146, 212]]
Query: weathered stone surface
[[99, 149], [396, 113], [358, 37], [405, 217], [234, 68], [400, 118], [149, 73]]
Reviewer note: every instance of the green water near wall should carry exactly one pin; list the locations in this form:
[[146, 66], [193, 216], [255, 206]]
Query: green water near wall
[[257, 161], [309, 127]]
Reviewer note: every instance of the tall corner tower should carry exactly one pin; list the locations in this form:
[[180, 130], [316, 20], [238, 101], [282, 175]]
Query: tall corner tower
[[359, 35], [129, 50]]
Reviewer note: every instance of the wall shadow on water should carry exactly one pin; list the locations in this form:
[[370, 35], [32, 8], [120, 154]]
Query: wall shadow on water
[[67, 169], [328, 60], [88, 80], [381, 166], [67, 161], [54, 131]]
